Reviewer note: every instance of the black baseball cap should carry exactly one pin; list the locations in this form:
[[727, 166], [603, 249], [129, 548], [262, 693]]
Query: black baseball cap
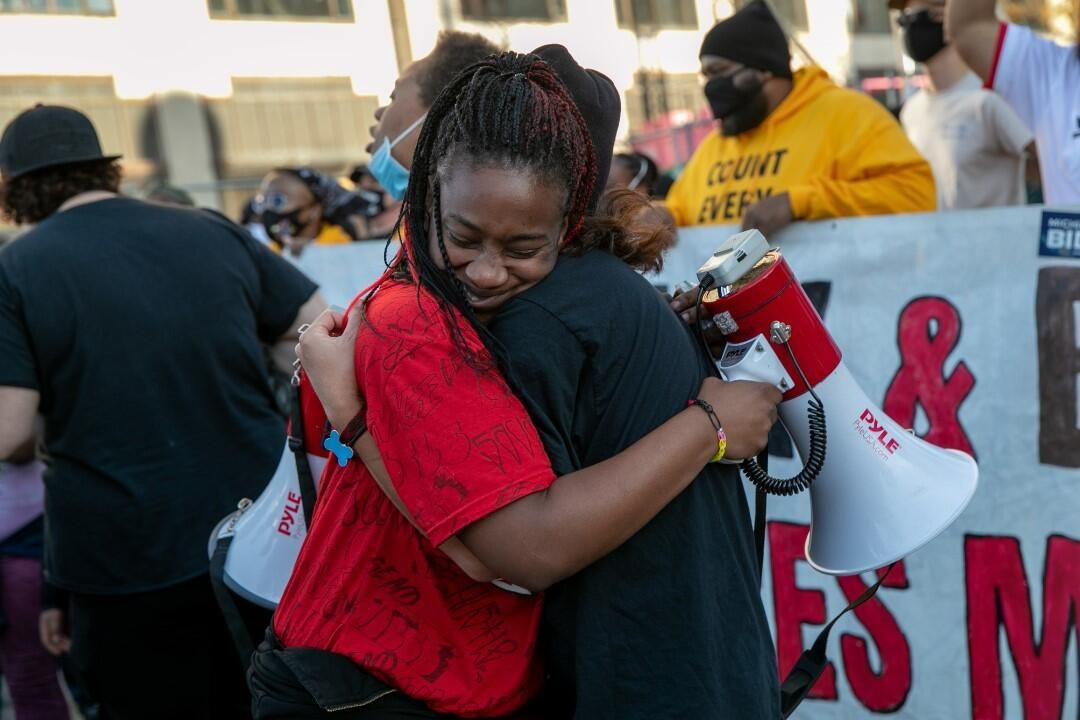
[[48, 135]]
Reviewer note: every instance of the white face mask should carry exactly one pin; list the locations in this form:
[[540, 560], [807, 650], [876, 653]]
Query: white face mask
[[385, 168]]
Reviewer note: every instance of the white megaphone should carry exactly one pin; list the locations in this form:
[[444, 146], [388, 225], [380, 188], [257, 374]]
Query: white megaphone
[[261, 539], [880, 492]]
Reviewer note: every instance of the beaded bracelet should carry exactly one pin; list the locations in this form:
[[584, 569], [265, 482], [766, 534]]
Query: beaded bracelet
[[721, 436]]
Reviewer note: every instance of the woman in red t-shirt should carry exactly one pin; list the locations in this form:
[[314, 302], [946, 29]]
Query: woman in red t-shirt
[[388, 613]]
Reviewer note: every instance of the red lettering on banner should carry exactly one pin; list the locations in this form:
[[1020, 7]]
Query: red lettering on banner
[[921, 378], [883, 691], [794, 606], [997, 596], [887, 690]]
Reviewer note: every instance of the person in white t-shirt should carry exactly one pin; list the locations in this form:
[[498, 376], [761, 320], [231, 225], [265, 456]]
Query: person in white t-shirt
[[1037, 77], [975, 143]]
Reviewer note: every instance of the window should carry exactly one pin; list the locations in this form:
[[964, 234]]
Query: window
[[791, 13], [497, 10], [320, 10], [870, 16], [65, 7], [656, 14], [654, 94]]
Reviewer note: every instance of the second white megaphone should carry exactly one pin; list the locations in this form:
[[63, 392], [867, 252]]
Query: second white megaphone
[[878, 492]]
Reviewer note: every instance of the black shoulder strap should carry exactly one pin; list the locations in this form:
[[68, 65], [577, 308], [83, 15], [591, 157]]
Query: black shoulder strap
[[760, 525], [303, 469], [234, 621], [813, 661], [760, 519]]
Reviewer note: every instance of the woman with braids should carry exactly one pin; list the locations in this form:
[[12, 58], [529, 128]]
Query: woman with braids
[[388, 613]]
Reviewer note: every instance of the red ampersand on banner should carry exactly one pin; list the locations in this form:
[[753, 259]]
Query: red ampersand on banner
[[928, 330]]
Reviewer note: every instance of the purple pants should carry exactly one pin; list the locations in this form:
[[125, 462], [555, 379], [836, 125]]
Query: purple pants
[[29, 670]]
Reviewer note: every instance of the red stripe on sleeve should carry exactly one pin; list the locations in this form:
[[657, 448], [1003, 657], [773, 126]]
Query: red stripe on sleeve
[[989, 84]]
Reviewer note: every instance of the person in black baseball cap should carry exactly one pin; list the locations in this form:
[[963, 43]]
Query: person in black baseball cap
[[138, 332], [48, 155]]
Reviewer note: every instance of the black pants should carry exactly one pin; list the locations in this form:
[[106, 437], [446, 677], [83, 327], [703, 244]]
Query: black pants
[[302, 683], [161, 654]]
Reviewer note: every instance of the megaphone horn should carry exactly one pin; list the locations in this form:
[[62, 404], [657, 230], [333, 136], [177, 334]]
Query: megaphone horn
[[877, 492]]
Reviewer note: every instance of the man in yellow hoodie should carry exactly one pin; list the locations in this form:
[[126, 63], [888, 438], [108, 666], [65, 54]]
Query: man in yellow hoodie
[[790, 146]]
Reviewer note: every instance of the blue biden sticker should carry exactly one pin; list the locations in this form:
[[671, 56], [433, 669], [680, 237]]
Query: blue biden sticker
[[1060, 235]]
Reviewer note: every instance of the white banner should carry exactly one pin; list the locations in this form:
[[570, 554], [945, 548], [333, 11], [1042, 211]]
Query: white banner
[[965, 326]]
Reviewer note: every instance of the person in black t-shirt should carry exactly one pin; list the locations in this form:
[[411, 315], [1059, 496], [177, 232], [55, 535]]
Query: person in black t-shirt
[[135, 329], [671, 623]]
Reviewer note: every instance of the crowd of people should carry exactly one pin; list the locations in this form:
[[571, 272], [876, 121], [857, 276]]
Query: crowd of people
[[535, 523]]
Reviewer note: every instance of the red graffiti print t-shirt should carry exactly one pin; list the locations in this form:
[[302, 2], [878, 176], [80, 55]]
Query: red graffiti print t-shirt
[[458, 446]]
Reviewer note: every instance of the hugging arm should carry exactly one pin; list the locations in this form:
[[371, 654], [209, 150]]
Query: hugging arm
[[547, 535]]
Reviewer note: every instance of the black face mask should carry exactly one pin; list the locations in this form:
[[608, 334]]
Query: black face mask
[[279, 225], [923, 36], [738, 107]]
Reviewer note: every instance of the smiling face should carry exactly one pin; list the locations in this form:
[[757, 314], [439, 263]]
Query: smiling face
[[502, 229]]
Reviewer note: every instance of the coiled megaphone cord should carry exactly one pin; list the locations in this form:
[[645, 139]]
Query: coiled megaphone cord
[[815, 415]]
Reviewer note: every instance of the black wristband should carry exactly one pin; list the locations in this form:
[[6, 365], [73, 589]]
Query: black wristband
[[353, 430], [709, 412]]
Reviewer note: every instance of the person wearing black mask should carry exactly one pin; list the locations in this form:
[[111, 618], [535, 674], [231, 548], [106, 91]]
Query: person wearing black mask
[[299, 206], [975, 143], [790, 145]]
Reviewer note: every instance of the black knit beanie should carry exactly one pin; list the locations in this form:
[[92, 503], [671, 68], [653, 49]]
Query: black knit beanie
[[598, 102], [751, 37]]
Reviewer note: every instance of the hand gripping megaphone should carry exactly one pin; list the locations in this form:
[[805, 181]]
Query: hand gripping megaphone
[[256, 546], [877, 491]]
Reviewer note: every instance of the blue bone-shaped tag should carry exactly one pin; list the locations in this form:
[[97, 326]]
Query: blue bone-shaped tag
[[341, 452]]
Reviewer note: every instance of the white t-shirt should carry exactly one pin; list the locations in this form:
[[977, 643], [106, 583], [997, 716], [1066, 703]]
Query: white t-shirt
[[974, 143], [1041, 81]]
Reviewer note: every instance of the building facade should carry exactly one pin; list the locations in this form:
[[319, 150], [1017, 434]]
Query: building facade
[[209, 94]]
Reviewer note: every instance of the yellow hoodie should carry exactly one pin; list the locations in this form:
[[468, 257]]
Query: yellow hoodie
[[836, 152]]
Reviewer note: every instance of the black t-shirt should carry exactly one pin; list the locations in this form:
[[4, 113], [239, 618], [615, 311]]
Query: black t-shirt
[[140, 325], [670, 625]]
